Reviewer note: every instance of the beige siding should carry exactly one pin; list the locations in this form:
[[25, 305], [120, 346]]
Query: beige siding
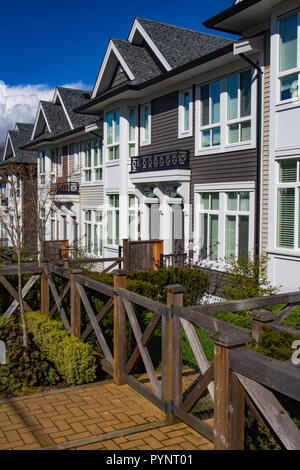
[[265, 149]]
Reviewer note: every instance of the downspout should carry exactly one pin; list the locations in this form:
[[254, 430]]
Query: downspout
[[259, 148]]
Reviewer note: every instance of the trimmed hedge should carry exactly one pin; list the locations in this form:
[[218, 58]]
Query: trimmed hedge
[[74, 359]]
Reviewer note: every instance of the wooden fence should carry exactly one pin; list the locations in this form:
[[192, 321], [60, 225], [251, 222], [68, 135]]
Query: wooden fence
[[236, 376]]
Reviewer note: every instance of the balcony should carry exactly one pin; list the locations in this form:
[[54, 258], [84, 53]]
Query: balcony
[[170, 165], [68, 188]]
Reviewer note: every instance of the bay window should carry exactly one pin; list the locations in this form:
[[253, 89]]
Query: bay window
[[185, 114], [289, 61], [145, 124], [288, 208], [113, 135], [113, 220]]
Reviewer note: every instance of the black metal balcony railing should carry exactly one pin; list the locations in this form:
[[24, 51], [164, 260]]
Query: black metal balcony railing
[[64, 188], [169, 160]]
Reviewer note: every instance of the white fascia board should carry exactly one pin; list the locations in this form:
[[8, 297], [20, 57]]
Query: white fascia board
[[40, 109], [226, 186], [244, 46], [91, 127], [57, 94], [111, 48], [8, 141], [138, 27]]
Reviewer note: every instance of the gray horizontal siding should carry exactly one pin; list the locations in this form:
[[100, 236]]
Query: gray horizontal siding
[[91, 195]]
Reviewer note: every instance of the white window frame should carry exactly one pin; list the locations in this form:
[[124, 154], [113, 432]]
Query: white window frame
[[240, 119], [289, 72], [223, 124], [296, 187], [93, 223], [115, 143], [59, 156], [113, 209], [222, 189], [182, 132], [54, 219], [143, 139], [133, 142], [53, 166], [92, 168], [135, 212], [42, 168], [77, 157]]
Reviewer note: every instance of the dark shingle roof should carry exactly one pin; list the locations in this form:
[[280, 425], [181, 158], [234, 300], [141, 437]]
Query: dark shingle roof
[[179, 45], [19, 137], [72, 99], [138, 60], [1, 152], [56, 117]]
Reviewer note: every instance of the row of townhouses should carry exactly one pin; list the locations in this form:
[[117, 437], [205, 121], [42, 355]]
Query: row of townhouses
[[187, 137]]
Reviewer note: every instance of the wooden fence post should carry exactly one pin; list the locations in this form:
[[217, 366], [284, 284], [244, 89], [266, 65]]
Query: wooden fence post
[[173, 351], [120, 280], [44, 291], [229, 398], [260, 319], [75, 305]]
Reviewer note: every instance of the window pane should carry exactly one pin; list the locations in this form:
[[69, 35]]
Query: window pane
[[131, 226], [109, 227], [246, 78], [244, 201], [146, 121], [243, 237], [132, 124], [288, 171], [286, 217], [204, 201], [213, 248], [116, 153], [98, 174], [131, 201], [216, 136], [289, 87], [205, 140], [215, 100], [246, 131], [232, 201], [233, 133], [288, 43], [232, 96], [117, 126], [109, 128], [117, 227], [230, 238], [205, 104], [203, 236], [186, 111], [131, 150], [111, 153], [214, 201]]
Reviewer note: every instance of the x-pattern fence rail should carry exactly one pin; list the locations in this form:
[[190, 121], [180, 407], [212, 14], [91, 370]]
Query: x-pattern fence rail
[[237, 374]]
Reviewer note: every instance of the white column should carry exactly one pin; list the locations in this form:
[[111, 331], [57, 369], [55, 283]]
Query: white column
[[184, 191], [165, 220]]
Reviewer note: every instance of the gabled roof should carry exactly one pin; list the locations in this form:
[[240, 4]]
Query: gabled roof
[[180, 45], [15, 140], [153, 49], [72, 98]]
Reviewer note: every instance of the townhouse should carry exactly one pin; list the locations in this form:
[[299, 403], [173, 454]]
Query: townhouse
[[70, 177], [180, 141], [18, 175], [279, 23]]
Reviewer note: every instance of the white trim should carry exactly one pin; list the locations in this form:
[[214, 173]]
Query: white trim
[[6, 146], [111, 48], [40, 109], [143, 141], [138, 27], [227, 187]]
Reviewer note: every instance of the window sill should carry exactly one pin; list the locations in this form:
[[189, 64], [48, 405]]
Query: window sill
[[227, 148], [91, 183], [183, 135]]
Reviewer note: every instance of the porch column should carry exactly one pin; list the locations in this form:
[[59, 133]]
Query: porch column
[[184, 192], [166, 220]]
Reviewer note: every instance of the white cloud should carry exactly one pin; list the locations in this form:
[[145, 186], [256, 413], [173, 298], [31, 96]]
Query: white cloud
[[19, 103]]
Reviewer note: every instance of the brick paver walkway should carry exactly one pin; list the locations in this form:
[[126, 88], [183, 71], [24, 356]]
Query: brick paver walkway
[[98, 416]]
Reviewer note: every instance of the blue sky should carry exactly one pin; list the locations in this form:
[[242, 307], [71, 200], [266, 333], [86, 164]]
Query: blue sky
[[45, 44]]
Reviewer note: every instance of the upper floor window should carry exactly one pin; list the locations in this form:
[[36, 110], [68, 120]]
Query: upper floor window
[[113, 220], [132, 132], [42, 168], [77, 156], [239, 107], [53, 159], [113, 135], [288, 204], [225, 113], [92, 172], [289, 60], [211, 114], [145, 124], [185, 114]]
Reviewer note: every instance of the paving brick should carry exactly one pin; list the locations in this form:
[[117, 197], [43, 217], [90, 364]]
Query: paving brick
[[132, 445]]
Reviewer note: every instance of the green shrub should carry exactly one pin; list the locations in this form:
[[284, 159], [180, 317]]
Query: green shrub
[[74, 359], [241, 319], [276, 345]]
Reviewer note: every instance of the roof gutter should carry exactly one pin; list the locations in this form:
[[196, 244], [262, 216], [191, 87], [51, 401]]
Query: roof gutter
[[207, 58]]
